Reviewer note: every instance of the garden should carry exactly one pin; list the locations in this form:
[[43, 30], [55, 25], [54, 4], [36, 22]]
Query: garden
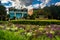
[[11, 31]]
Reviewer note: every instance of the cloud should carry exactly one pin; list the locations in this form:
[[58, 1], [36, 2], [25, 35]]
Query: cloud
[[44, 2], [18, 3], [22, 3], [42, 5], [57, 4], [29, 7], [4, 1], [7, 3], [26, 3], [36, 5]]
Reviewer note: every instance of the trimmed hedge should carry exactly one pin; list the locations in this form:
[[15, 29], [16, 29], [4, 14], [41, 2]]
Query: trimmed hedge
[[3, 22], [37, 22]]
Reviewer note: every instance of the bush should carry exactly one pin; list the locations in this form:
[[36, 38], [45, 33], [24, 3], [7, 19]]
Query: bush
[[3, 22], [35, 22]]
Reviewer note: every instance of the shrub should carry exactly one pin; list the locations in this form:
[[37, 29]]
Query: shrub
[[35, 22]]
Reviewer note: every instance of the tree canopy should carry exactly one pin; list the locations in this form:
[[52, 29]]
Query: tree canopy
[[52, 12], [2, 12]]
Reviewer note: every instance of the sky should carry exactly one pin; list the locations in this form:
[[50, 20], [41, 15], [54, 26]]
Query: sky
[[52, 1], [32, 3]]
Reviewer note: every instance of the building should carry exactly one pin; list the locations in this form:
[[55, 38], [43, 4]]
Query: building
[[18, 13]]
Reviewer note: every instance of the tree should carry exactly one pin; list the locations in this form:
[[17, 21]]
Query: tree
[[53, 12], [3, 13], [47, 12]]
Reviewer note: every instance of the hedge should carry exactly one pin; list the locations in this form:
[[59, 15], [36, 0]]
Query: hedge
[[3, 22], [37, 22]]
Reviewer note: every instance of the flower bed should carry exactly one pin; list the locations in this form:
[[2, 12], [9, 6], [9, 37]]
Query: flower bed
[[29, 32]]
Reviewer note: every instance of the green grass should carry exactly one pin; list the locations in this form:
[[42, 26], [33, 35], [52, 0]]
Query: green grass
[[7, 35]]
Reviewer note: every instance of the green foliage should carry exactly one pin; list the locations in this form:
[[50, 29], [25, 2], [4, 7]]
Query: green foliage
[[3, 13], [52, 12], [35, 22], [40, 33], [2, 10], [3, 22], [1, 35], [57, 37], [7, 35]]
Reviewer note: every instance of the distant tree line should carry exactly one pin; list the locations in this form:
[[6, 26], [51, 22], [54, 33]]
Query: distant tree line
[[52, 12]]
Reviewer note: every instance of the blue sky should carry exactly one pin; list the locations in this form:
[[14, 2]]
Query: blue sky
[[52, 1], [35, 2], [8, 3], [49, 3]]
